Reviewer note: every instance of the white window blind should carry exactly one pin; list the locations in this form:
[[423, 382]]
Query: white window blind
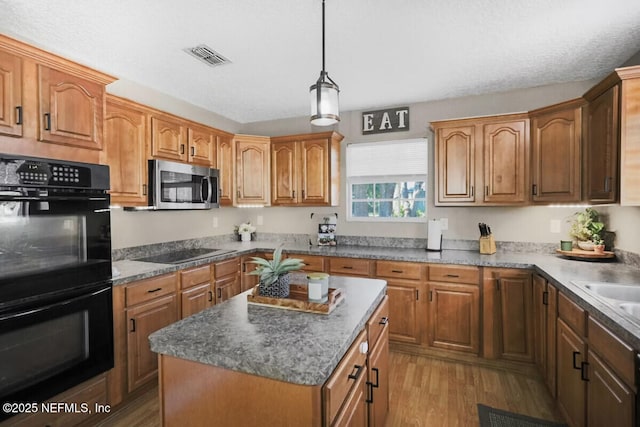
[[387, 158]]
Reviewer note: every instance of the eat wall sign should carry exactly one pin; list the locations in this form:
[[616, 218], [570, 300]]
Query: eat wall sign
[[387, 120]]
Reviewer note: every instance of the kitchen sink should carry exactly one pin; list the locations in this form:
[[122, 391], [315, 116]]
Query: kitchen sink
[[630, 293], [633, 308]]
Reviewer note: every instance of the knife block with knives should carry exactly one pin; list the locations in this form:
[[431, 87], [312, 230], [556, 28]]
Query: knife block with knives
[[487, 242]]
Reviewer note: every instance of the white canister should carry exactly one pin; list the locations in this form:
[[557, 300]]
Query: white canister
[[318, 287]]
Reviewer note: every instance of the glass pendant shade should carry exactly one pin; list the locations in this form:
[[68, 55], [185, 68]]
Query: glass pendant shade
[[324, 103]]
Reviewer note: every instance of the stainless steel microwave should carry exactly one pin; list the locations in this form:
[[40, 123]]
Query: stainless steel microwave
[[182, 186]]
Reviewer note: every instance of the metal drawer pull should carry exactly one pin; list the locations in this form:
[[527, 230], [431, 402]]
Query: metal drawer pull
[[347, 267], [575, 364], [396, 271], [370, 392], [356, 375], [210, 296], [47, 121], [154, 290], [133, 325], [377, 383], [219, 293], [453, 275], [181, 148], [383, 321], [18, 115], [583, 371]]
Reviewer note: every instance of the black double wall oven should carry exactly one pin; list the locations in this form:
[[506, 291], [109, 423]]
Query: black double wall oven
[[56, 319]]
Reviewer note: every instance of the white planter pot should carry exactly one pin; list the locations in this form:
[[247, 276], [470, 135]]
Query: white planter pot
[[245, 237]]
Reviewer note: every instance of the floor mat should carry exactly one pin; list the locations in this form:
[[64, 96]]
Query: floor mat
[[492, 417]]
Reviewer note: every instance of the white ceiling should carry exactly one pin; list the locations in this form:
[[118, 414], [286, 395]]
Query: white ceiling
[[381, 52]]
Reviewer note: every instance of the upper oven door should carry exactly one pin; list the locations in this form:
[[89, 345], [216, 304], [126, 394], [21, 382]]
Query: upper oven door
[[182, 186]]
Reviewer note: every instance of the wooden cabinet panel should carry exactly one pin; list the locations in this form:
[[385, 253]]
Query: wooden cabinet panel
[[227, 287], [284, 173], [572, 390], [601, 148], [506, 162], [573, 315], [226, 267], [545, 315], [125, 152], [612, 350], [609, 401], [202, 146], [71, 109], [248, 281], [168, 138], [630, 142], [455, 160], [11, 117], [350, 266], [312, 263], [556, 135], [196, 299], [142, 320], [378, 322], [378, 365], [226, 165], [252, 169], [454, 274], [400, 270], [407, 310], [195, 276], [516, 303], [454, 317], [148, 289], [551, 353], [315, 180]]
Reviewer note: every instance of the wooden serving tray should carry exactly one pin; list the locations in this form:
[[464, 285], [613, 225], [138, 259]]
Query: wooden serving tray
[[580, 254], [298, 300]]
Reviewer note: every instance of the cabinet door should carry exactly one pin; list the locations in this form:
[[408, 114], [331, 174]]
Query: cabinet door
[[71, 109], [601, 151], [454, 317], [196, 299], [455, 161], [516, 301], [252, 170], [168, 139], [202, 146], [610, 402], [226, 165], [378, 383], [125, 138], [556, 156], [354, 411], [315, 181], [407, 311], [630, 143], [227, 287], [143, 320], [10, 94], [539, 322], [284, 173], [506, 157], [248, 281], [572, 390]]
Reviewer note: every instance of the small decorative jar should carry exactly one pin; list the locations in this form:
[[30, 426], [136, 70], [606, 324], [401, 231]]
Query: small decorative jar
[[245, 237], [318, 287]]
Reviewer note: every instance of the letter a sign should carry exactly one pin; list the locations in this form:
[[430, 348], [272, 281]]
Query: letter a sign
[[382, 121]]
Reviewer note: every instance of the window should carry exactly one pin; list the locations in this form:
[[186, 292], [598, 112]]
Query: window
[[387, 181]]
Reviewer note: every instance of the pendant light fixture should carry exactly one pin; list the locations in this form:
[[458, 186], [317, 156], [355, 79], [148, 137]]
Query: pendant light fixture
[[324, 95]]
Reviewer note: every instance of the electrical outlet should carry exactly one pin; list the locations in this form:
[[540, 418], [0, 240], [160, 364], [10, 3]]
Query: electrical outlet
[[215, 222], [554, 226], [444, 223], [260, 220]]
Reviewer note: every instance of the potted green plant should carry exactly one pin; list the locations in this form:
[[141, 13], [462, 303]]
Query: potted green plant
[[598, 244], [274, 274], [585, 227]]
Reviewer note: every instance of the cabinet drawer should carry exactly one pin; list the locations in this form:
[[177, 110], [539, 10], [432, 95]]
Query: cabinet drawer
[[346, 375], [572, 314], [149, 289], [454, 274], [618, 355], [225, 268], [195, 276], [312, 263], [378, 321], [401, 270], [350, 266]]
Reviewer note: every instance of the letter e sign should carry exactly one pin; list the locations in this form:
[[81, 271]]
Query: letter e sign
[[382, 121]]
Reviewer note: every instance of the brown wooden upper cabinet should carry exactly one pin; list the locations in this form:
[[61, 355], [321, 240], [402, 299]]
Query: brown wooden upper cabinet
[[556, 135], [10, 94], [125, 151], [173, 138], [629, 136], [252, 169], [305, 169], [482, 161], [226, 165]]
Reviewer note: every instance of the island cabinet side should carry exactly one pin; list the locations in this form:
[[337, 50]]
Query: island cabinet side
[[195, 394]]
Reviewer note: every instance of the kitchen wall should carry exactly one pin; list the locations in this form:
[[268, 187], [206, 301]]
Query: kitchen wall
[[526, 224]]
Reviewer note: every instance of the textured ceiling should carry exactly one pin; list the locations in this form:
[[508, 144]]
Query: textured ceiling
[[380, 52]]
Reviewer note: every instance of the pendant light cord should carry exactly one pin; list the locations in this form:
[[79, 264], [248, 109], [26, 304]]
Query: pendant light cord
[[323, 72]]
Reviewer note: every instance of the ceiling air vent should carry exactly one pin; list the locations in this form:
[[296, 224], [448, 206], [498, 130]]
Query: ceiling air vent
[[207, 55]]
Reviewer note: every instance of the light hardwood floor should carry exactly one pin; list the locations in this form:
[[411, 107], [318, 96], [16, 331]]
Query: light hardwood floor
[[424, 391]]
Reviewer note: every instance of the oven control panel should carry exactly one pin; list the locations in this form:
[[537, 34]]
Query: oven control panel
[[54, 174]]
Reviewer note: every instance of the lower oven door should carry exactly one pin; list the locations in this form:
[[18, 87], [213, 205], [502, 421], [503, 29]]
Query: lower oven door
[[52, 347]]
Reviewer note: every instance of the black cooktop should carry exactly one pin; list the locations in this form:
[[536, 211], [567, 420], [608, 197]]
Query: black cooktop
[[183, 255]]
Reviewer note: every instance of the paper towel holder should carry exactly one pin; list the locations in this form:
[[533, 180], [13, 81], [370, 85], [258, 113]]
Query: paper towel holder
[[434, 236]]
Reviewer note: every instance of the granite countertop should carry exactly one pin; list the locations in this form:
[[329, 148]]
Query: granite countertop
[[558, 270], [292, 346]]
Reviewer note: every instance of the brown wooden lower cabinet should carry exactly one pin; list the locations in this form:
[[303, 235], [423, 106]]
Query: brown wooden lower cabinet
[[572, 390], [454, 317], [407, 310], [196, 299], [609, 401], [228, 282], [378, 393], [545, 308]]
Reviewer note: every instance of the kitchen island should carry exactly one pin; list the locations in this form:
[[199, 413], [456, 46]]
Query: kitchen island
[[243, 364]]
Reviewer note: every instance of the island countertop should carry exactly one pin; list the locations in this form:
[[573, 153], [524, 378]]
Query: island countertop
[[291, 346]]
